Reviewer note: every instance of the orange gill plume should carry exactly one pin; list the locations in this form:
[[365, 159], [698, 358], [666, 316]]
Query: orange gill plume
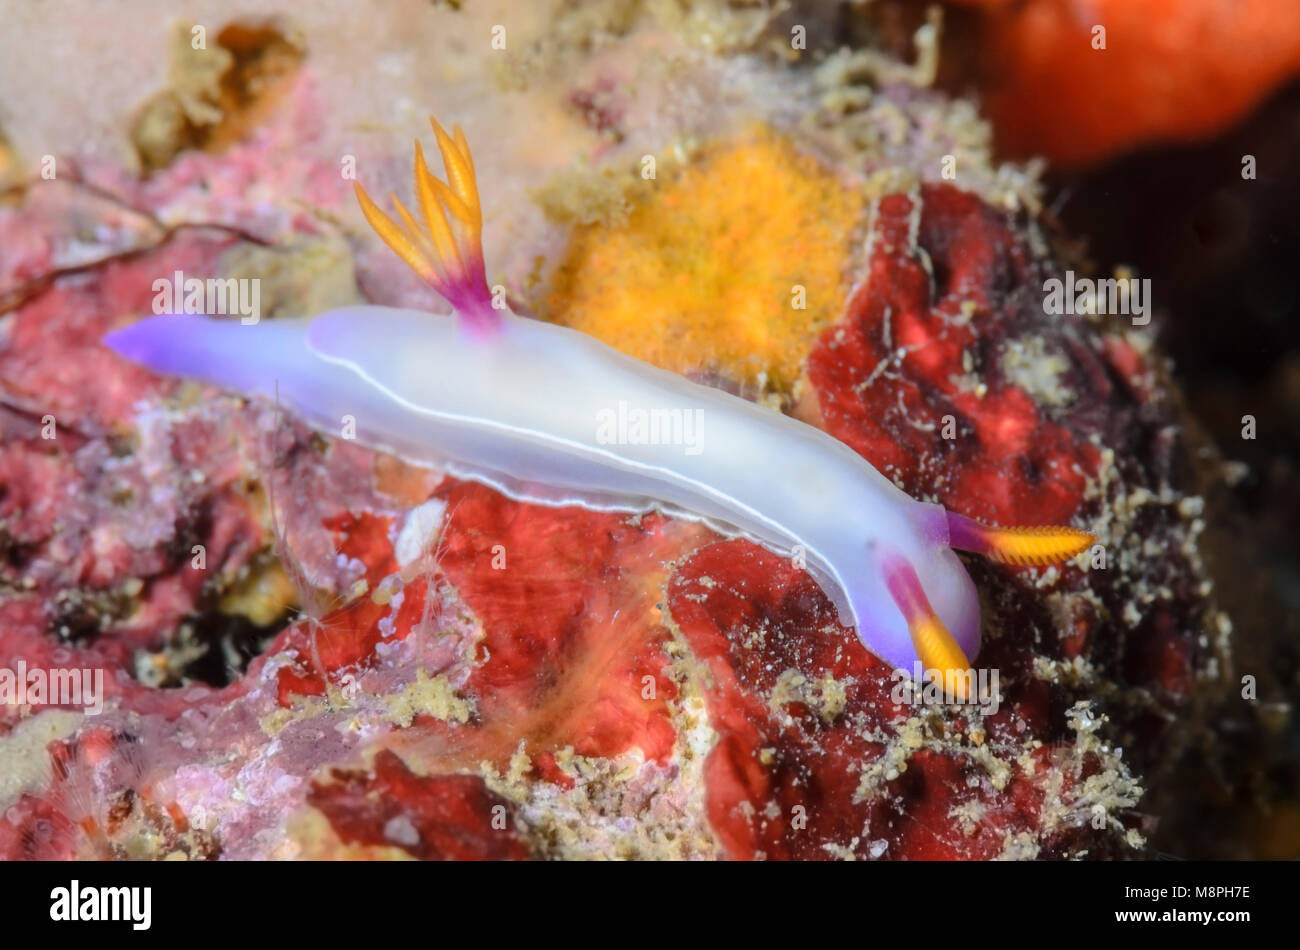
[[446, 248]]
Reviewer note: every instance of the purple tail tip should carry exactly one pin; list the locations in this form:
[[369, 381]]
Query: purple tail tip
[[144, 341], [180, 345]]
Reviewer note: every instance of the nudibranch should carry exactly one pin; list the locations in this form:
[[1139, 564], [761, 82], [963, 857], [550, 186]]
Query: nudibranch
[[548, 415]]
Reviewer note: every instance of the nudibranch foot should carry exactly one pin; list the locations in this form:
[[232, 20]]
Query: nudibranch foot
[[1041, 545], [446, 251]]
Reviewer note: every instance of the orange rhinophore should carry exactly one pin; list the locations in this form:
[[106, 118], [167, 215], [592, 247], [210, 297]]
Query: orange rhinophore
[[934, 645], [1036, 545]]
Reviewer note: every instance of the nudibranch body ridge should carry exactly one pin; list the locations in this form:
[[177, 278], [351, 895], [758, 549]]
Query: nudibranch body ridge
[[549, 415]]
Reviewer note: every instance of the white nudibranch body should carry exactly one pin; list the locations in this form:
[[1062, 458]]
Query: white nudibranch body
[[551, 416]]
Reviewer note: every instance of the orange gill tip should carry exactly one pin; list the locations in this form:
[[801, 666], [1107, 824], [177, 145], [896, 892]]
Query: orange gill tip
[[458, 162], [1038, 545], [406, 246], [935, 647], [445, 248], [435, 216]]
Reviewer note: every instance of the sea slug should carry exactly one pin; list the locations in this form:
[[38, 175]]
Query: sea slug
[[548, 415]]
